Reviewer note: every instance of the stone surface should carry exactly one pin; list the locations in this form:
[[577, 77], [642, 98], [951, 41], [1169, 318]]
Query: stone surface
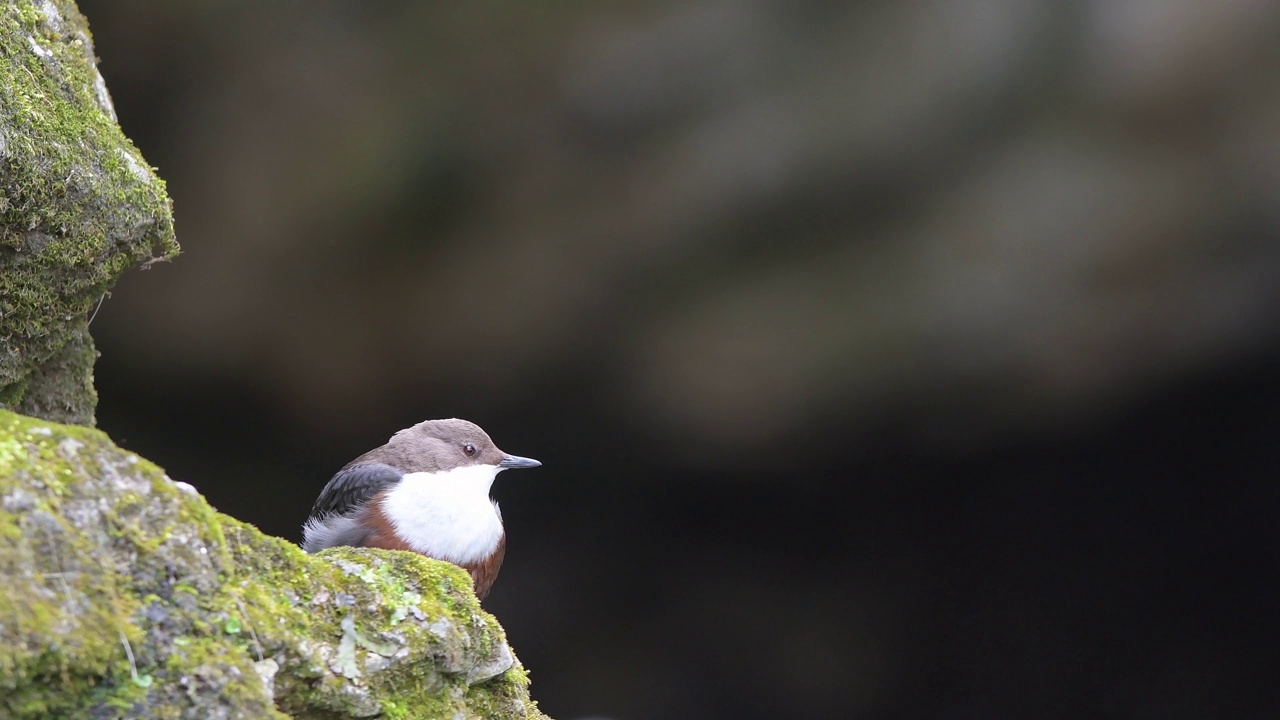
[[78, 206], [126, 595]]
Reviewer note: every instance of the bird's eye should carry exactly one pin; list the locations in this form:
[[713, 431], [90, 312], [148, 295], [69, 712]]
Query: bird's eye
[[469, 449]]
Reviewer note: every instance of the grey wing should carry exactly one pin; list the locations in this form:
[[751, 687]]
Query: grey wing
[[334, 517], [354, 486]]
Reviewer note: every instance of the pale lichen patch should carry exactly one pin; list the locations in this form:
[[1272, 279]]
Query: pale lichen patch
[[39, 50]]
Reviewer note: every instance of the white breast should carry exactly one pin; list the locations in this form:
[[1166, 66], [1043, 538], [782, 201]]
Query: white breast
[[447, 515]]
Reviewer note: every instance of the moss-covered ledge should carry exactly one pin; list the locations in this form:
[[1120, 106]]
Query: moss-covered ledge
[[125, 595], [78, 206]]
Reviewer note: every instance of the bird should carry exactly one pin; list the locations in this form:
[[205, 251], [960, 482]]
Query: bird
[[426, 491]]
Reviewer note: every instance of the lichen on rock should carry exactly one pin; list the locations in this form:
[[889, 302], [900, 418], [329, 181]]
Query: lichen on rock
[[126, 595], [78, 206]]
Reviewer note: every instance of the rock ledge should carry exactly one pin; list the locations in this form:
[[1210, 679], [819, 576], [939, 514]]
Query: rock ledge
[[127, 595]]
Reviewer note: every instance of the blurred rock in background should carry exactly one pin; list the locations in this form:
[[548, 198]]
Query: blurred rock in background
[[887, 359]]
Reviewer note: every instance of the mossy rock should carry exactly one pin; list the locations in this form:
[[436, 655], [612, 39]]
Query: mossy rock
[[78, 206], [126, 595]]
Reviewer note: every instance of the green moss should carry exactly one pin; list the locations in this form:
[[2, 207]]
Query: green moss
[[134, 597], [12, 394], [66, 625], [79, 206]]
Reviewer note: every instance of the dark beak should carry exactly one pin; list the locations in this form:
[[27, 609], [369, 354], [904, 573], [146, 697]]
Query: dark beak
[[515, 462]]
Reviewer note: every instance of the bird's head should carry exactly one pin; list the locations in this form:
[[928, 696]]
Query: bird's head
[[434, 445]]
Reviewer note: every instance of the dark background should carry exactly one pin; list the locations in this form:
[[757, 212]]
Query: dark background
[[887, 359]]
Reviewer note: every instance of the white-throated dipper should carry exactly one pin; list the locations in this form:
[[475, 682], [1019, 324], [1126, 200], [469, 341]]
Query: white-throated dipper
[[427, 491]]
